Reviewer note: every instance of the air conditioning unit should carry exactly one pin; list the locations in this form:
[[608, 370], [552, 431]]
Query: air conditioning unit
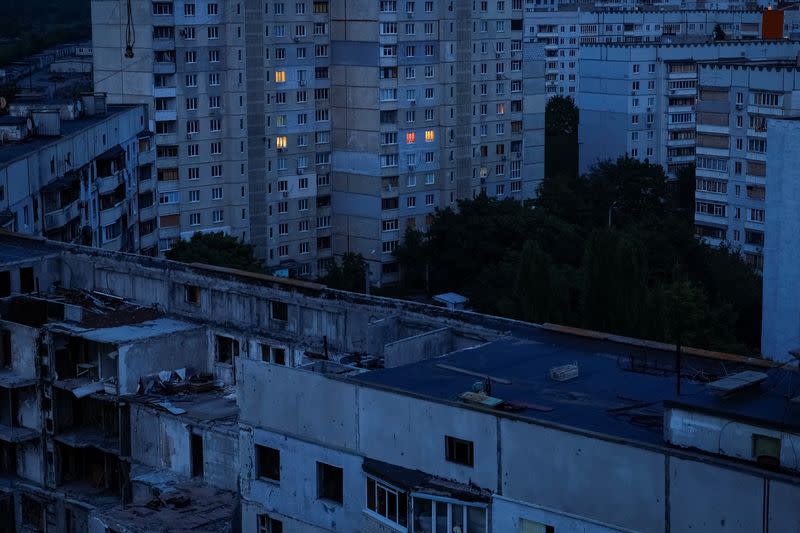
[[296, 39], [183, 33], [412, 103], [286, 194], [301, 83]]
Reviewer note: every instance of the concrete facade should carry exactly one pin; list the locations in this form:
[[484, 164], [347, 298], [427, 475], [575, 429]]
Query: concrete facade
[[780, 308], [72, 173], [188, 67]]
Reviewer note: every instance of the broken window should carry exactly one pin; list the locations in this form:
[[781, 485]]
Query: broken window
[[5, 283], [267, 524], [279, 356], [280, 311], [388, 502], [196, 446], [32, 512], [26, 282], [268, 463], [5, 348], [330, 480], [226, 348], [458, 450], [192, 294], [265, 352]]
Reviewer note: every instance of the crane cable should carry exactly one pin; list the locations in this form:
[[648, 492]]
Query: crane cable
[[130, 33]]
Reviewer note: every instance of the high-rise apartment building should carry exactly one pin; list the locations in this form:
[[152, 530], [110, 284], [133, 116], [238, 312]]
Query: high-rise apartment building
[[361, 118], [366, 117], [640, 99], [565, 31], [185, 59], [736, 101]]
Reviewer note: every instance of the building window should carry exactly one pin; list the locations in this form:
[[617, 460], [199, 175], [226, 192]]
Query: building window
[[267, 524], [387, 502], [225, 348], [528, 526], [330, 481], [268, 463], [280, 311], [458, 450], [192, 293], [449, 516]]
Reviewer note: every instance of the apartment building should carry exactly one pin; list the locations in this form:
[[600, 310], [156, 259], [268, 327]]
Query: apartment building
[[736, 100], [73, 172], [375, 114], [152, 379], [565, 31], [289, 137], [185, 61], [639, 99], [780, 315]]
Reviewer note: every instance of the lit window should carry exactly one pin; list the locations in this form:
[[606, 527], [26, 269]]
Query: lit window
[[280, 142], [410, 137], [280, 76], [429, 135]]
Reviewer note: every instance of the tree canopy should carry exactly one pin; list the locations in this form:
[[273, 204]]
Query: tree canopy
[[349, 274], [613, 250], [216, 249]]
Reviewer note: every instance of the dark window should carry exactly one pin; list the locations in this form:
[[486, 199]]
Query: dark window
[[5, 347], [389, 203], [197, 455], [458, 450], [268, 463], [5, 283], [330, 480], [265, 352], [26, 279], [226, 349], [280, 311], [267, 524], [192, 294], [280, 356]]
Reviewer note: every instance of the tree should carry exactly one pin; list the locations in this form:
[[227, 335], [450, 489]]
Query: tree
[[561, 116], [718, 34], [561, 137], [412, 256], [216, 249], [349, 275]]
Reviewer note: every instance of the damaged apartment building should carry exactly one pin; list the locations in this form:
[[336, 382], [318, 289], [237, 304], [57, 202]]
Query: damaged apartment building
[[140, 394]]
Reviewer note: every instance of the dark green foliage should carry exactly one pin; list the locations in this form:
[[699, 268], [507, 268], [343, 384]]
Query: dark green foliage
[[216, 249], [349, 275], [561, 137], [28, 27], [557, 260]]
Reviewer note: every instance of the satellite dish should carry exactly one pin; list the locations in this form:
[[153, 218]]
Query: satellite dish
[[29, 124], [3, 102]]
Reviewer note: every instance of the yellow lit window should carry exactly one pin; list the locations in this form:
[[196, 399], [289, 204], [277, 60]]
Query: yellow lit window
[[411, 137], [280, 76], [280, 142], [501, 108], [429, 135]]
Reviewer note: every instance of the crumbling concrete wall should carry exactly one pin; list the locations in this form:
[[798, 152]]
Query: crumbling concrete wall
[[160, 440], [183, 349], [296, 494], [29, 462], [221, 458], [23, 348], [418, 348]]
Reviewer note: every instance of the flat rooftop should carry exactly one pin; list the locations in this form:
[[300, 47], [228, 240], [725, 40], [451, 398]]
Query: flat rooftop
[[621, 390], [126, 333], [17, 249], [10, 152]]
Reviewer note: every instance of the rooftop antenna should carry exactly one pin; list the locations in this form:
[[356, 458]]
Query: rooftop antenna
[[130, 33]]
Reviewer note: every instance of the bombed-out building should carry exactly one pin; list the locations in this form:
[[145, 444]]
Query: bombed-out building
[[140, 394]]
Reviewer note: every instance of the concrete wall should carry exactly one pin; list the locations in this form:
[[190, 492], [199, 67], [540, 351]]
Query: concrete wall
[[507, 514], [295, 494], [780, 318], [183, 349], [23, 348], [417, 348], [611, 483]]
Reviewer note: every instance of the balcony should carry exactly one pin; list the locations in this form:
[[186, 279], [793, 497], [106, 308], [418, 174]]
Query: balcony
[[762, 133], [146, 213], [680, 126], [165, 92], [710, 128], [111, 215], [106, 184], [163, 44], [164, 68], [60, 217], [166, 115], [677, 143], [761, 110]]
